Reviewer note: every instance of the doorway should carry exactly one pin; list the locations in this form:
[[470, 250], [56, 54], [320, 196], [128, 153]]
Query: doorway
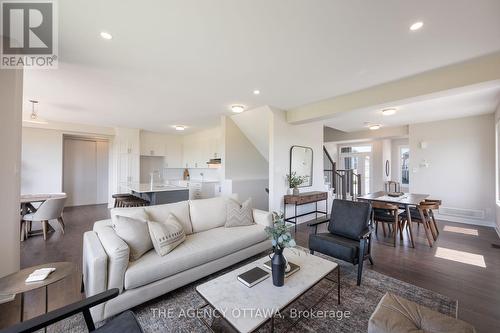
[[85, 170], [358, 159]]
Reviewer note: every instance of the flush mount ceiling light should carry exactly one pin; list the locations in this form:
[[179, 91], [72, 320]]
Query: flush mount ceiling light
[[256, 92], [374, 127], [237, 108], [389, 111], [180, 128], [416, 26], [106, 35]]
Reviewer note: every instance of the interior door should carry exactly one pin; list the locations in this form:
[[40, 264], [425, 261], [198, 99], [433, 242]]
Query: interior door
[[85, 171]]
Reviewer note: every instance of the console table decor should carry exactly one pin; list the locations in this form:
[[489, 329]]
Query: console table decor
[[303, 199]]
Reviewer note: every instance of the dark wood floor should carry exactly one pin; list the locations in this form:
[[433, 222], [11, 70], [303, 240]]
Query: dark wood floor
[[477, 289]]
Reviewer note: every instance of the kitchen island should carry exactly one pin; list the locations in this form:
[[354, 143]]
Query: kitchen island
[[158, 194]]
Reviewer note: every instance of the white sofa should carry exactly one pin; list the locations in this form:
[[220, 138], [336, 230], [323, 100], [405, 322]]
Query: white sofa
[[208, 248]]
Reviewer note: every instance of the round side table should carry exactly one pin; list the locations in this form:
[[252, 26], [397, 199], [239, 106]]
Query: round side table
[[15, 283]]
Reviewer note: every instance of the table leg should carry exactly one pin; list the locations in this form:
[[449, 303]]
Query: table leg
[[46, 303], [338, 284], [295, 219], [410, 227], [22, 307], [316, 210]]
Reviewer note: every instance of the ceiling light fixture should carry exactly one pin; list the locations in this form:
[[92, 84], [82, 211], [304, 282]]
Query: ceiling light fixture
[[180, 128], [416, 26], [34, 116], [256, 92], [106, 35], [237, 108], [389, 111], [374, 127]]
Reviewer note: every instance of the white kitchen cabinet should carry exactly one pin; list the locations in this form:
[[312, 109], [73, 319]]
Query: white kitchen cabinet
[[173, 152], [153, 144], [200, 147], [128, 162]]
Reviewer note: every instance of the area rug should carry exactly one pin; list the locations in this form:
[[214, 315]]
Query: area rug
[[176, 311]]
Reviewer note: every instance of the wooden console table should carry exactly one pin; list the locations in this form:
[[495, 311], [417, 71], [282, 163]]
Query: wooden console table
[[303, 199]]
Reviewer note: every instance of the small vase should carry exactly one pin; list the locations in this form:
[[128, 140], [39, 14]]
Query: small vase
[[295, 191], [278, 265]]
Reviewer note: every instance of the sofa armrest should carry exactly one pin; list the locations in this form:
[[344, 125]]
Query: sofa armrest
[[118, 254], [95, 264], [263, 218]]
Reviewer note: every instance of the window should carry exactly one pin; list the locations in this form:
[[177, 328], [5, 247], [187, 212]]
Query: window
[[404, 167]]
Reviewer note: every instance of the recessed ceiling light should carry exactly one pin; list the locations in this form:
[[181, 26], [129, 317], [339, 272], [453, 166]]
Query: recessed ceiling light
[[417, 25], [389, 111], [237, 108], [106, 35], [374, 127], [256, 92], [180, 128]]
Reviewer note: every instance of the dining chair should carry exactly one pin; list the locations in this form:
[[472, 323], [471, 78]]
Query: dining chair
[[50, 209], [421, 214], [387, 213], [431, 211]]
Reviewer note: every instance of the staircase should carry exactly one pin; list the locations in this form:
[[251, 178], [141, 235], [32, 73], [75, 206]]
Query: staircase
[[346, 184]]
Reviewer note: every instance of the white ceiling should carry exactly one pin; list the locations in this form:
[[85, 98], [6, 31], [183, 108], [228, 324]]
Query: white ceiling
[[464, 102], [185, 61]]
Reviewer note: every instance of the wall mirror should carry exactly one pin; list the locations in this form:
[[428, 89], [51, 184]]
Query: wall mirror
[[301, 162]]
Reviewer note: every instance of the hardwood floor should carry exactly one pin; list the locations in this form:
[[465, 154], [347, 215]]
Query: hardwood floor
[[476, 288]]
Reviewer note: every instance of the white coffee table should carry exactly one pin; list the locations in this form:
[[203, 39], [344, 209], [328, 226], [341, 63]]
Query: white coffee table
[[247, 309]]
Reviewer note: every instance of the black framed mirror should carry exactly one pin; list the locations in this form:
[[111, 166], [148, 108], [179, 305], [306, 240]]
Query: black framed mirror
[[301, 163]]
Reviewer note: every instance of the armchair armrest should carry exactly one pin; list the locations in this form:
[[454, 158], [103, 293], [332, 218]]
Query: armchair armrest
[[54, 316], [322, 220], [365, 233], [263, 218]]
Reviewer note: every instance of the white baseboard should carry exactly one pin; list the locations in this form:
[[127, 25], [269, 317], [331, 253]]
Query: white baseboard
[[484, 223]]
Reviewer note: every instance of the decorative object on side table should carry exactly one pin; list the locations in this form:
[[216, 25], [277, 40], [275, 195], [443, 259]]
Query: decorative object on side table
[[295, 181], [281, 238]]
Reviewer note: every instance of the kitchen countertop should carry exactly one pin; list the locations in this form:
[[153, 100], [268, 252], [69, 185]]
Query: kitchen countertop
[[146, 188]]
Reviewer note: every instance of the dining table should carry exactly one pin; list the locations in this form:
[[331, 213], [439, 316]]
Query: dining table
[[405, 200]]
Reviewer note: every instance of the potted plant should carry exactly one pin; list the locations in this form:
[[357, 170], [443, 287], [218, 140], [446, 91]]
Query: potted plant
[[295, 181], [281, 238]]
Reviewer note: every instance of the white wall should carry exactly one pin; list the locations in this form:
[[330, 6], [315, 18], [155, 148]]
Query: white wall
[[245, 169], [11, 88], [497, 173], [42, 160], [282, 137], [461, 157]]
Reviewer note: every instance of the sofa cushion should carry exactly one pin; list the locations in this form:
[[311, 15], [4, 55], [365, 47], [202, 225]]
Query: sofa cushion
[[179, 209], [135, 233], [208, 213], [197, 249], [166, 235], [238, 215], [133, 212], [394, 314]]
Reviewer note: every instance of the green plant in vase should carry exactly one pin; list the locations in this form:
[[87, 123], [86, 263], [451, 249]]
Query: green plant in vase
[[281, 238], [295, 181]]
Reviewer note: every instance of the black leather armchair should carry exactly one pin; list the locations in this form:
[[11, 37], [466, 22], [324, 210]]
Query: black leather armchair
[[349, 236], [123, 323]]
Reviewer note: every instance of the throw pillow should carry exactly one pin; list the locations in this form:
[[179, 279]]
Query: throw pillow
[[135, 233], [239, 215], [167, 235]]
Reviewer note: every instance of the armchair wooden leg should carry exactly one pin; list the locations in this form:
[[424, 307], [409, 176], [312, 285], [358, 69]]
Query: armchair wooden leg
[[44, 228]]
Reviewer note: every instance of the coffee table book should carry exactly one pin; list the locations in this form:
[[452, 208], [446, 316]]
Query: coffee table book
[[252, 277]]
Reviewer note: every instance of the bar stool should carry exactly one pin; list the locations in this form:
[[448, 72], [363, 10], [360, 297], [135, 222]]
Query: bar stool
[[134, 202], [120, 197]]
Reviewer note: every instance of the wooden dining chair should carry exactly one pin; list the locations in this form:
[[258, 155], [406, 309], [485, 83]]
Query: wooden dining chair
[[50, 209], [421, 214], [431, 211], [387, 213]]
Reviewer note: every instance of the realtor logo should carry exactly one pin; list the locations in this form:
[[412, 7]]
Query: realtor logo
[[29, 34]]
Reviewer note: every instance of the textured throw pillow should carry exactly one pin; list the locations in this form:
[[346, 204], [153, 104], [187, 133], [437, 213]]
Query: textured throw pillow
[[135, 233], [239, 215], [166, 235]]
